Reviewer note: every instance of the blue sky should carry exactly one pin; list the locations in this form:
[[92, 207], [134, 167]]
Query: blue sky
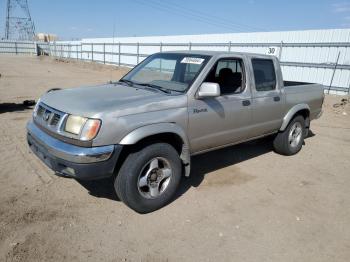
[[74, 19]]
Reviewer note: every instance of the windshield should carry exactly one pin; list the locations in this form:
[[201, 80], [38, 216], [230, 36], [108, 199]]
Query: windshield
[[167, 71]]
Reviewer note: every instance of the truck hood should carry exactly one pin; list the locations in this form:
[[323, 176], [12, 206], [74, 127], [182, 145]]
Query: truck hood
[[115, 99]]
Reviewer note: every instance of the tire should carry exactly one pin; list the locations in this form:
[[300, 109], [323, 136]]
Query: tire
[[307, 127], [290, 141], [306, 132], [144, 182]]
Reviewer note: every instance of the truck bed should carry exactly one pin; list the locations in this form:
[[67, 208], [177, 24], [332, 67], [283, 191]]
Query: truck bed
[[294, 83], [304, 93]]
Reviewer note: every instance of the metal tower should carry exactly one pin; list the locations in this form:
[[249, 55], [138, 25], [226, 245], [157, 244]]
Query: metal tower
[[19, 24]]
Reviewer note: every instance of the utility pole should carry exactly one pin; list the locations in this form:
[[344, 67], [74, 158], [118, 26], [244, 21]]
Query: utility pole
[[19, 24], [7, 19]]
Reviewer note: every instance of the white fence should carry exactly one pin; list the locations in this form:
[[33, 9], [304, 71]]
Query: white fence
[[13, 47], [325, 60]]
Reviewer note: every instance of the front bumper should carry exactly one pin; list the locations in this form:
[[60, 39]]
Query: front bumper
[[68, 160]]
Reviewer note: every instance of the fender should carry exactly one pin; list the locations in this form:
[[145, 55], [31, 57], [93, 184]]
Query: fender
[[154, 129], [291, 113]]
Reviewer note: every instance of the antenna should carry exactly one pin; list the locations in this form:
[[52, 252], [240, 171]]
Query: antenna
[[19, 24]]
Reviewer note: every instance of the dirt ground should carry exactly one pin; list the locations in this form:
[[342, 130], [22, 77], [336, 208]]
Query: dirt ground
[[243, 203]]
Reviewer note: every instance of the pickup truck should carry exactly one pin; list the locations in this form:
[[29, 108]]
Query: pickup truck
[[143, 129]]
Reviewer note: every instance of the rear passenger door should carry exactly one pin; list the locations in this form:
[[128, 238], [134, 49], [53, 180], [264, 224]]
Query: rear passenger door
[[267, 98]]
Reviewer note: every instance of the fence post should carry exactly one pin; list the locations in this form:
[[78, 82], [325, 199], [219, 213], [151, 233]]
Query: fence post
[[92, 52], [37, 49], [280, 52], [16, 49], [119, 54], [104, 53], [335, 68], [138, 52], [160, 50], [190, 46], [81, 51], [229, 46], [76, 50]]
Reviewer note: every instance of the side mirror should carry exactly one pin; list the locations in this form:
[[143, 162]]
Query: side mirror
[[208, 89]]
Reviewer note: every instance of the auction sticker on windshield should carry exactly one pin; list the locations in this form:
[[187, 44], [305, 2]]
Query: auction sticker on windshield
[[192, 60]]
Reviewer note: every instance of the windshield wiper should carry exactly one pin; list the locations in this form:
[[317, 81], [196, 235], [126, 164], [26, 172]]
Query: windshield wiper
[[132, 84], [164, 90], [128, 82]]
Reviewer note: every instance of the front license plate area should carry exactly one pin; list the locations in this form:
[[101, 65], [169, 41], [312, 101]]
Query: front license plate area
[[41, 153]]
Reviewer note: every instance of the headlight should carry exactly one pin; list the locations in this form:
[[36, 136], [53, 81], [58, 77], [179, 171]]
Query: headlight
[[74, 124], [85, 128]]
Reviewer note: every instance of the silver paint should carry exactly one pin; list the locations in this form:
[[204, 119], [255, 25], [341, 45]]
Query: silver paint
[[68, 152], [130, 114]]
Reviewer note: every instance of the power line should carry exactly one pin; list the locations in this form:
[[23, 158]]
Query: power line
[[208, 16], [196, 15], [187, 16]]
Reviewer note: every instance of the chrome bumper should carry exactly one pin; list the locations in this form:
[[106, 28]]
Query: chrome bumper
[[66, 151], [70, 160]]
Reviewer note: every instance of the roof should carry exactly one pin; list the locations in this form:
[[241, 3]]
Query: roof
[[212, 53]]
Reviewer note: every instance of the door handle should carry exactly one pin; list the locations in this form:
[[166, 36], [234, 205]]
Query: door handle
[[246, 103], [276, 98]]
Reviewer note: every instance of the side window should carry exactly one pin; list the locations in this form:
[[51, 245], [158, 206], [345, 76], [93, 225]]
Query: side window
[[234, 65], [228, 73], [264, 74]]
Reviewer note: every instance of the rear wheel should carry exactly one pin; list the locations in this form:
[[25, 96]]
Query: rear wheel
[[149, 177], [290, 141]]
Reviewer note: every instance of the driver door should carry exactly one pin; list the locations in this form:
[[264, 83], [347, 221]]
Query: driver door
[[223, 120]]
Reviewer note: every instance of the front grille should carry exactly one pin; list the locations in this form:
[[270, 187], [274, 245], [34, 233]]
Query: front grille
[[48, 117], [55, 119]]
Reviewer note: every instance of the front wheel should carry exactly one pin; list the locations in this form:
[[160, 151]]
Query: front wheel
[[290, 141], [148, 179]]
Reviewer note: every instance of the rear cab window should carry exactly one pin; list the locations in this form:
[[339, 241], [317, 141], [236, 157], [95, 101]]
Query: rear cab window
[[264, 74]]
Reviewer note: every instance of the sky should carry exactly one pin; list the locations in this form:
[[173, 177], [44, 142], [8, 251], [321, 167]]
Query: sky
[[76, 19]]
